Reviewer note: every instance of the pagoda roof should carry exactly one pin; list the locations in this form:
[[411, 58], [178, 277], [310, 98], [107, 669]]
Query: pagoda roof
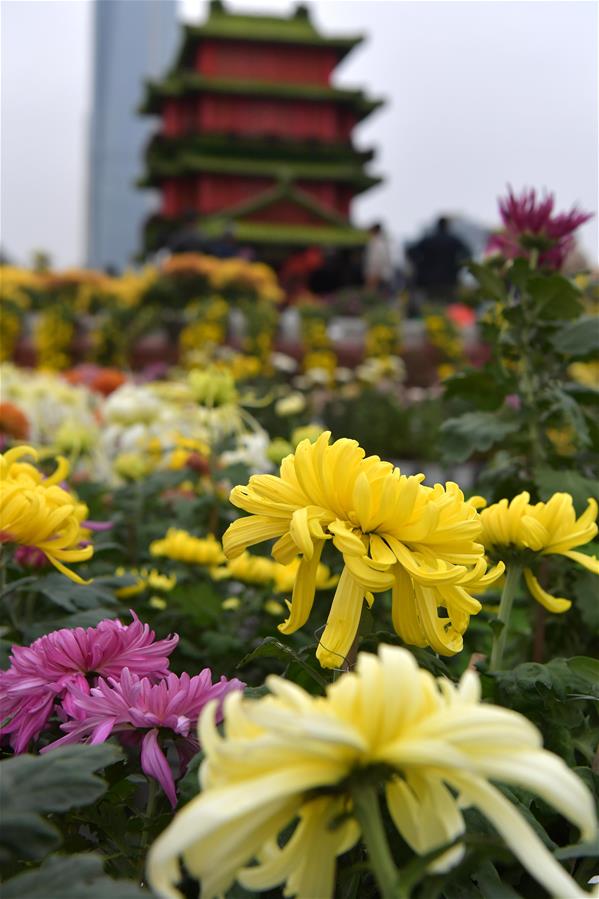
[[297, 29], [180, 84], [290, 235], [285, 170], [270, 233], [164, 148], [284, 190]]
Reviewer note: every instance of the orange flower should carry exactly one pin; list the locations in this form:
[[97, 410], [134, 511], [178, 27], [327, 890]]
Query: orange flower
[[107, 380], [13, 423]]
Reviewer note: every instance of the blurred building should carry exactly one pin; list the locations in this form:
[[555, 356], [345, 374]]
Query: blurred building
[[133, 40], [255, 142]]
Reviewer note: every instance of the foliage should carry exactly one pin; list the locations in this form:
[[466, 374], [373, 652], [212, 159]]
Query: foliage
[[533, 422], [145, 458]]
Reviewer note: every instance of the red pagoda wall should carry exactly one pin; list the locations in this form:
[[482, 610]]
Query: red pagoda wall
[[257, 116], [209, 193], [265, 62], [215, 192], [285, 212]]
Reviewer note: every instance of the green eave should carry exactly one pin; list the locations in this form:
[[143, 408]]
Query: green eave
[[183, 83], [292, 235], [297, 30], [166, 149], [281, 170]]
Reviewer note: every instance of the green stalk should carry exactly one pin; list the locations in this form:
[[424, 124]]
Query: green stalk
[[147, 825], [512, 579], [368, 814], [2, 570]]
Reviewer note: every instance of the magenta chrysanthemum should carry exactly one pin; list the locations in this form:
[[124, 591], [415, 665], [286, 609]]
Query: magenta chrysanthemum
[[40, 674], [142, 711], [530, 224]]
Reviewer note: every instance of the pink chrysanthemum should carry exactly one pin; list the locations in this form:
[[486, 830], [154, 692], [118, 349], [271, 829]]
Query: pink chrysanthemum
[[529, 224], [141, 711], [36, 683]]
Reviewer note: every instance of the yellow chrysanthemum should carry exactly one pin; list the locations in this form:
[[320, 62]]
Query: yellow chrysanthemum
[[263, 571], [182, 546], [543, 529], [36, 511], [248, 569], [393, 532], [128, 590], [286, 576], [292, 757], [145, 579]]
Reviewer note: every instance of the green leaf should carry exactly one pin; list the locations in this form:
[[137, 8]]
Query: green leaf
[[70, 877], [27, 836], [485, 392], [578, 850], [270, 648], [586, 396], [61, 779], [491, 885], [578, 339], [585, 591], [569, 410], [19, 584], [274, 649], [89, 618], [475, 432], [555, 297], [520, 273], [551, 480], [491, 283], [189, 785], [585, 667]]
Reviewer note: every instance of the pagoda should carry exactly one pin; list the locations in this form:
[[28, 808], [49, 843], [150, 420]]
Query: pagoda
[[254, 138]]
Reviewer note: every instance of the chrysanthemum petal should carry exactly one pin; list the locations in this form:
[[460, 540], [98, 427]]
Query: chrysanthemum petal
[[303, 592], [342, 623], [591, 563], [554, 604], [518, 835], [427, 816]]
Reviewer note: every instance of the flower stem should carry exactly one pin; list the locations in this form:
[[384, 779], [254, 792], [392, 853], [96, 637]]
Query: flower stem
[[147, 825], [2, 570], [352, 654], [368, 814], [512, 580]]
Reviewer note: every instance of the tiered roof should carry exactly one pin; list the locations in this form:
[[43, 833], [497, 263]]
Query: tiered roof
[[285, 160], [298, 28]]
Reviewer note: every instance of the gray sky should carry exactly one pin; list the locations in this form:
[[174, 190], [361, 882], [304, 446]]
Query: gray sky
[[479, 94]]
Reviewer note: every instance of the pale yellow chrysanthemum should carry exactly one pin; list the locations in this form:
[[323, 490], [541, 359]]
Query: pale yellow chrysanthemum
[[393, 532], [543, 529], [182, 546], [36, 511], [292, 757]]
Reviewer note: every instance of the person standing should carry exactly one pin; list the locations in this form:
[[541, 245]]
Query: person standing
[[436, 260], [378, 266]]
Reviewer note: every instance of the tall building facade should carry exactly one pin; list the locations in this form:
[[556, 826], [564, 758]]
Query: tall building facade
[[254, 138], [133, 40]]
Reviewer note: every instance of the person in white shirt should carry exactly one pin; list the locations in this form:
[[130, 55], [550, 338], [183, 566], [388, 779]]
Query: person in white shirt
[[378, 267]]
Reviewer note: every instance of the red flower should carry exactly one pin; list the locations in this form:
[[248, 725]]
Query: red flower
[[146, 713], [36, 683], [530, 224]]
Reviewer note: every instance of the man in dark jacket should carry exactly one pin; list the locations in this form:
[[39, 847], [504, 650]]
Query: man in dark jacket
[[437, 260]]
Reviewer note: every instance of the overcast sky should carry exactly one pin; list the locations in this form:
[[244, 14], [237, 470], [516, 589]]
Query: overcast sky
[[479, 94]]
